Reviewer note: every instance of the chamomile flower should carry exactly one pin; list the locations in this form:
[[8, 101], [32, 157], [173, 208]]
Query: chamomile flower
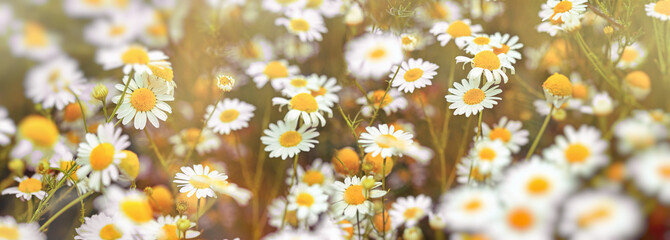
[[507, 131], [162, 74], [659, 9], [249, 51], [240, 195], [468, 173], [631, 57], [467, 208], [100, 227], [438, 11], [130, 208], [371, 56], [521, 221], [488, 64], [283, 140], [142, 101], [490, 156], [276, 72], [155, 33], [557, 89], [413, 73], [116, 30], [352, 197], [54, 83], [37, 137], [203, 142], [308, 202], [650, 170], [306, 107], [307, 24], [198, 180], [536, 182], [600, 215], [510, 46], [28, 187], [167, 228], [469, 99], [601, 105], [13, 230], [318, 174], [32, 40], [130, 57], [391, 102], [324, 87], [100, 156], [581, 151], [385, 140], [638, 84], [458, 30], [635, 135], [410, 210], [561, 10], [229, 115], [480, 42], [279, 217], [7, 127], [408, 41]]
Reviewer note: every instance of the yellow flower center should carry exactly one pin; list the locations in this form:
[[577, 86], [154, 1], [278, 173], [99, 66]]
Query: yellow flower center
[[7, 232], [617, 171], [157, 29], [538, 185], [500, 133], [473, 205], [72, 112], [459, 29], [322, 91], [229, 115], [377, 53], [190, 137], [520, 219], [353, 195], [563, 6], [298, 82], [487, 154], [65, 167], [473, 96], [591, 217], [378, 96], [638, 79], [313, 3], [576, 153], [138, 211], [501, 50], [170, 232], [304, 199], [225, 80], [135, 55], [30, 185], [486, 60], [481, 40], [143, 99], [275, 69], [580, 90], [290, 139], [413, 212], [664, 171], [39, 130], [558, 85], [35, 35], [662, 7], [407, 39], [313, 177], [304, 102], [386, 141], [413, 74], [299, 25], [629, 54], [109, 232], [101, 156], [437, 11], [163, 72], [117, 30], [200, 181]]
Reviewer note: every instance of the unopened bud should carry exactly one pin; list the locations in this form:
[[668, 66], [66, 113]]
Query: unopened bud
[[17, 166], [100, 92], [413, 233], [183, 224], [182, 207], [368, 183], [42, 167], [149, 191], [608, 30]]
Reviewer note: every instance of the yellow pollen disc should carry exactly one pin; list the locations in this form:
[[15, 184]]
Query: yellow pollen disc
[[538, 185], [225, 80], [200, 181], [101, 156], [386, 141], [377, 53], [576, 153], [163, 72], [474, 96], [487, 60], [109, 232], [353, 195], [473, 205], [558, 85], [135, 55], [30, 185], [503, 49], [591, 217], [413, 74], [39, 130], [406, 40], [298, 82], [638, 79], [580, 90], [412, 213], [487, 154], [290, 139], [312, 177], [157, 29], [72, 112], [190, 137], [7, 232], [275, 69], [143, 99], [117, 30], [617, 171], [322, 91], [481, 40], [304, 199], [629, 54], [377, 97], [304, 102], [314, 3], [170, 232], [664, 171], [563, 6], [379, 223], [138, 211], [35, 35], [437, 11], [520, 219], [662, 7], [459, 29], [476, 175], [65, 167], [500, 133], [229, 115], [299, 25]]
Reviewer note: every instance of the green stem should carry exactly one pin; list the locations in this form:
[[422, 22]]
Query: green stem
[[68, 206], [81, 108], [190, 151], [153, 145], [123, 95], [539, 134], [381, 102]]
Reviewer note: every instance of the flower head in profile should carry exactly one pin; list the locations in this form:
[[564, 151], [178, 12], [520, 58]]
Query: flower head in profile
[[385, 140], [198, 181], [557, 89]]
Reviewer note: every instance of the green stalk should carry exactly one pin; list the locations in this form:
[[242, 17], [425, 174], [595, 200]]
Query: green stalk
[[539, 134]]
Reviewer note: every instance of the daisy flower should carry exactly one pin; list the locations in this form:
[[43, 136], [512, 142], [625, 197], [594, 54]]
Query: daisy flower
[[167, 228], [198, 180], [308, 202], [601, 105], [100, 155], [581, 151], [324, 87], [318, 174], [295, 49], [438, 11], [188, 138], [130, 208], [100, 227], [650, 170], [13, 230], [561, 10], [557, 89], [283, 140], [306, 107], [410, 210], [28, 187], [488, 64], [536, 182], [458, 30], [85, 8], [635, 135], [116, 30], [408, 41], [468, 173], [390, 102], [130, 57], [352, 197], [54, 83], [521, 221], [385, 140], [600, 215], [631, 57], [490, 156], [414, 73], [274, 71], [510, 46], [162, 74], [638, 84], [32, 40], [229, 115], [255, 49], [7, 127], [467, 98], [240, 195], [279, 217], [659, 10], [156, 31], [37, 137], [480, 42], [371, 56], [509, 132], [294, 85], [467, 208], [142, 100], [63, 160], [307, 24]]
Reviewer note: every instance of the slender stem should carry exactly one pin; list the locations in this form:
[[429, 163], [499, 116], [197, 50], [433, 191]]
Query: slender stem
[[479, 125], [384, 199], [461, 151], [197, 214], [539, 134], [62, 210], [123, 95], [437, 145], [243, 162], [104, 108], [81, 108], [190, 151], [381, 102], [294, 179], [153, 145]]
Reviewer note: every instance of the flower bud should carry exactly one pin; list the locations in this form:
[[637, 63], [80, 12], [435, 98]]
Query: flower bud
[[100, 92], [42, 167], [608, 30], [368, 183], [130, 165], [225, 82], [413, 233], [183, 224]]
